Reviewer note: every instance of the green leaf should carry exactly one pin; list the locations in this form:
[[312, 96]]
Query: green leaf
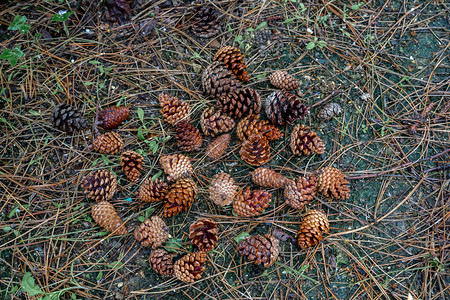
[[29, 286], [34, 113], [6, 228], [99, 275], [140, 113], [311, 45], [241, 236], [263, 24], [12, 56], [62, 16], [357, 6], [157, 175], [20, 23], [140, 134], [141, 219], [173, 245]]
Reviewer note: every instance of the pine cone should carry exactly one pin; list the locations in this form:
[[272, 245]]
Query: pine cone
[[180, 197], [218, 146], [68, 118], [260, 249], [233, 59], [332, 183], [152, 233], [108, 143], [222, 189], [312, 227], [268, 178], [105, 215], [251, 203], [217, 80], [300, 191], [132, 164], [100, 185], [188, 137], [190, 267], [112, 117], [152, 191], [176, 166], [161, 262], [329, 111], [284, 108], [205, 22], [304, 141], [215, 122], [284, 81], [255, 151], [174, 110], [203, 234], [251, 125], [240, 103]]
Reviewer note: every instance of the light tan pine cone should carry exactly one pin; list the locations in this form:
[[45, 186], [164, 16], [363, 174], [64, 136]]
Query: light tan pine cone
[[240, 103], [223, 188], [132, 164], [300, 191], [251, 203], [112, 117], [108, 143], [173, 109], [233, 59], [314, 224], [217, 80], [152, 233], [215, 122], [304, 141], [190, 267], [152, 191], [176, 166], [216, 149], [161, 262], [188, 137], [265, 177], [105, 215], [332, 183], [180, 197], [260, 249], [203, 234], [255, 150], [100, 185], [284, 81]]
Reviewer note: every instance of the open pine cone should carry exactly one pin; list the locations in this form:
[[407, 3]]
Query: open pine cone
[[173, 109], [180, 197], [255, 150], [205, 22], [284, 81], [100, 185], [108, 143], [218, 146], [152, 191], [304, 141], [203, 234], [314, 224], [332, 183], [190, 267], [112, 117], [233, 59], [152, 233], [215, 122], [260, 249], [217, 80], [251, 203], [240, 103], [188, 137], [161, 262], [251, 125], [300, 191], [105, 215], [132, 164], [284, 108], [68, 118], [268, 178], [176, 166], [223, 188]]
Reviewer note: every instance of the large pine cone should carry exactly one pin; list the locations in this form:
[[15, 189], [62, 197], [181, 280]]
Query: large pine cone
[[304, 141], [152, 233], [300, 191], [215, 122], [100, 185], [205, 22], [161, 262], [152, 191], [203, 234], [256, 150], [173, 109], [68, 118], [108, 143], [251, 125], [260, 249], [188, 137], [284, 81], [312, 227], [112, 117], [251, 203], [240, 103], [284, 108], [332, 183], [268, 178], [218, 146], [105, 215], [233, 59], [190, 267], [217, 80], [132, 164], [223, 188], [176, 166], [180, 197]]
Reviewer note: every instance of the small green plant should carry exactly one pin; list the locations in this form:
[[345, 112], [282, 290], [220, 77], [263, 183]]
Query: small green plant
[[241, 236], [20, 24], [63, 16], [12, 56], [316, 43]]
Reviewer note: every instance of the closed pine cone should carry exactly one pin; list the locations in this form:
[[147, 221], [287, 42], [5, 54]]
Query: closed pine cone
[[300, 191], [304, 141], [105, 215], [223, 188], [233, 59], [205, 22], [314, 224], [260, 249], [255, 150], [216, 149], [215, 122], [203, 234], [132, 164], [329, 111], [161, 262], [68, 118], [108, 143], [251, 203], [190, 267], [284, 81], [251, 125], [332, 183], [152, 191], [100, 185], [217, 80], [176, 166], [284, 108], [180, 197], [152, 233], [173, 109], [112, 117], [240, 103], [188, 137], [265, 177]]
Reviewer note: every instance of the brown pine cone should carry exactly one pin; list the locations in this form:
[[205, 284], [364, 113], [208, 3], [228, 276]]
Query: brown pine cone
[[284, 108], [176, 166], [132, 164], [312, 227], [173, 109], [268, 178], [332, 183], [68, 118], [100, 185], [255, 150], [260, 249], [223, 188], [180, 197], [112, 117], [203, 234], [300, 191], [105, 215], [233, 59], [188, 137], [152, 191], [240, 103], [251, 125], [108, 143], [251, 203], [152, 233], [161, 262], [205, 22], [329, 111], [304, 141], [215, 122], [284, 81], [190, 267], [218, 146], [217, 80]]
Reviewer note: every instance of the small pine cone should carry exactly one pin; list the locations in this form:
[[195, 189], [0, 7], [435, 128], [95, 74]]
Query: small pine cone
[[329, 111], [215, 122], [312, 227], [176, 166], [251, 203], [112, 117], [161, 262], [203, 234], [284, 81], [100, 185], [223, 188], [105, 215], [284, 108], [188, 137], [217, 80], [174, 110], [205, 22], [132, 164], [180, 197], [304, 141], [255, 150], [68, 118], [240, 103], [260, 249], [152, 233], [251, 125], [300, 191], [332, 183], [218, 146], [108, 143], [190, 267], [152, 191], [233, 59], [268, 178]]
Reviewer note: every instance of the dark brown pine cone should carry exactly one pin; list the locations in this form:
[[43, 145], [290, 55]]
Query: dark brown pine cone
[[222, 190], [300, 191], [100, 185], [260, 249], [332, 183], [304, 141], [180, 197], [312, 227], [108, 143], [205, 22], [176, 166], [233, 59], [152, 233], [240, 103], [173, 109], [218, 146], [132, 164], [190, 267], [284, 108], [217, 80], [112, 117], [68, 118], [188, 137], [251, 203], [105, 215], [268, 178], [251, 125], [284, 81], [161, 262], [215, 122], [152, 191], [203, 234], [255, 150]]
